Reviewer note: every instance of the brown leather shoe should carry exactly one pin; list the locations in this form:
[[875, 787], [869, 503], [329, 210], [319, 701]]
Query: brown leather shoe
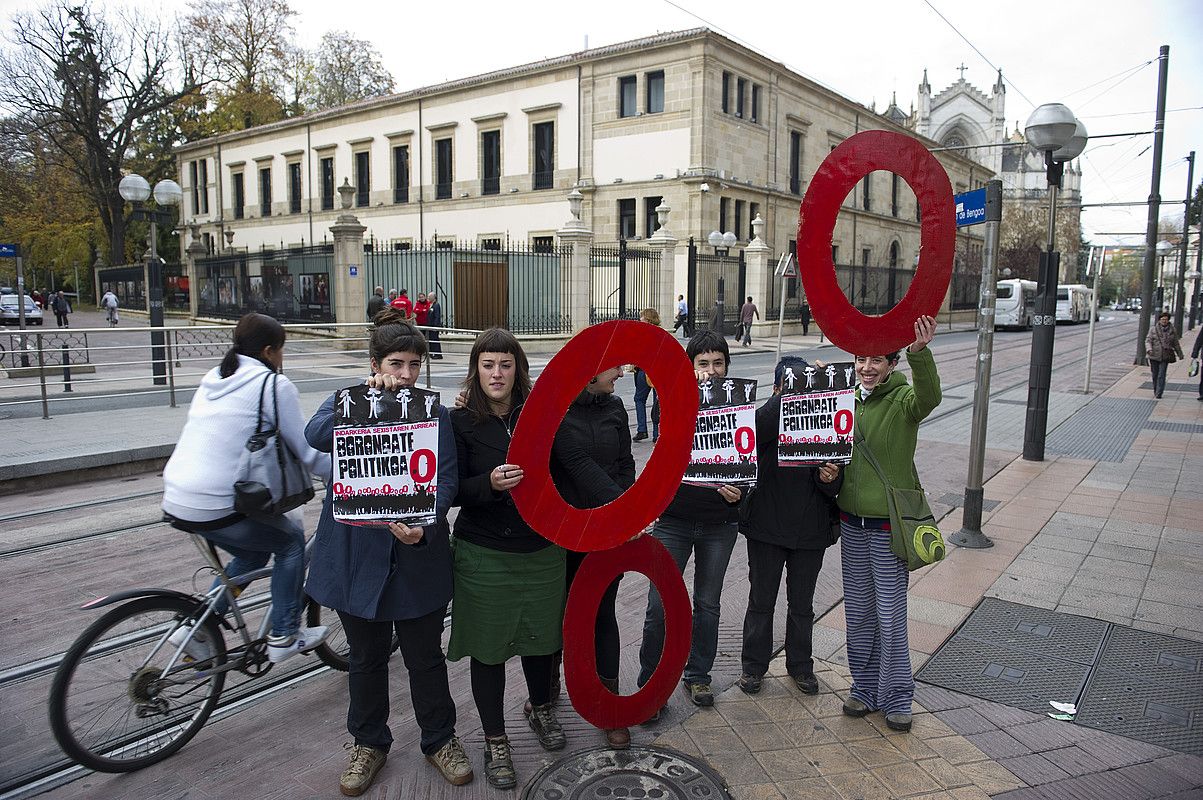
[[616, 738]]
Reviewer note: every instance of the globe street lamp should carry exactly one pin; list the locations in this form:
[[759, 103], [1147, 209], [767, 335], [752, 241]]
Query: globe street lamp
[[1054, 131], [722, 244], [134, 189], [1164, 248]]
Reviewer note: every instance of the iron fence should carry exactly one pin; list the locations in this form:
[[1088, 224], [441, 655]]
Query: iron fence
[[128, 283], [514, 286], [966, 290], [711, 277], [873, 289], [291, 284], [624, 281]]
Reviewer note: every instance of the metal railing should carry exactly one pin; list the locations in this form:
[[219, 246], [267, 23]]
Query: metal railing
[[93, 363]]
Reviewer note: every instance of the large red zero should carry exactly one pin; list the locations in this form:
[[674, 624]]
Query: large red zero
[[844, 166], [592, 530]]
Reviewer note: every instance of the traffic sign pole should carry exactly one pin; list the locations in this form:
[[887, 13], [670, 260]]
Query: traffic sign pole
[[786, 268]]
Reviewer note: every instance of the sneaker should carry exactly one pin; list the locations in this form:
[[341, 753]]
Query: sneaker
[[304, 640], [198, 648], [807, 682], [855, 708], [499, 764], [898, 722], [547, 728], [639, 437], [750, 684], [700, 694], [452, 762], [361, 771]]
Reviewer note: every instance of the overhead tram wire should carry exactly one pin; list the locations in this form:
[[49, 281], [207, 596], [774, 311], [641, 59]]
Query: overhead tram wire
[[979, 52], [1141, 113], [1109, 77]]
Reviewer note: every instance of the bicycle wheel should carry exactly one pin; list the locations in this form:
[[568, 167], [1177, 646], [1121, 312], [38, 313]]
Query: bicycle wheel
[[332, 652], [112, 709]]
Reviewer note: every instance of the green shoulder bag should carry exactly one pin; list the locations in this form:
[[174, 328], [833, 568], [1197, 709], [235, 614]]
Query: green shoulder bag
[[914, 537]]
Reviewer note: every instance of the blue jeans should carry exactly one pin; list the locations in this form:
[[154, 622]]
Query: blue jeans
[[712, 542], [642, 391], [251, 543]]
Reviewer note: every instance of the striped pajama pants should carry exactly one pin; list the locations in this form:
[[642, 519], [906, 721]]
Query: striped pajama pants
[[875, 583]]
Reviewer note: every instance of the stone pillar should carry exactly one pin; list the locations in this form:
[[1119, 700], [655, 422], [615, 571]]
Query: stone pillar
[[757, 258], [348, 295], [580, 286], [665, 244], [195, 250]]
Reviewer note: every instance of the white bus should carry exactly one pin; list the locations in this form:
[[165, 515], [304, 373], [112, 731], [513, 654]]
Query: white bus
[[1073, 303], [1014, 304]]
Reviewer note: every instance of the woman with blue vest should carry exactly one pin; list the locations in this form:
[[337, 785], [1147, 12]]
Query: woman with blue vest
[[888, 413], [391, 581]]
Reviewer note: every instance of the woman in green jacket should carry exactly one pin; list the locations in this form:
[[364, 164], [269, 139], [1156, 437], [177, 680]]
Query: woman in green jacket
[[888, 413]]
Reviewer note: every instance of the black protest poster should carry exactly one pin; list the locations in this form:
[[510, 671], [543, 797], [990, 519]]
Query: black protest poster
[[386, 446], [818, 410], [724, 438]]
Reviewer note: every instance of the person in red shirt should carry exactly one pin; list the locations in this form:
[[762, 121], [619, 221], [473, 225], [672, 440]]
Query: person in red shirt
[[404, 303], [422, 308]]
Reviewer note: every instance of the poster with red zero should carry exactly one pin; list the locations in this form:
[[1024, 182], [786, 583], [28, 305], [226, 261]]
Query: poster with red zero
[[724, 438], [818, 409], [385, 456]]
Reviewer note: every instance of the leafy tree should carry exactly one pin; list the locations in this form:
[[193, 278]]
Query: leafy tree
[[1196, 206], [76, 86], [349, 69]]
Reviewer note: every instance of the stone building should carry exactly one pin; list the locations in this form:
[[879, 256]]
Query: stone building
[[691, 120]]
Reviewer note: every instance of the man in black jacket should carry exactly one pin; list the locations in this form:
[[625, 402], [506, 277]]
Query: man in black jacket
[[376, 303], [703, 521], [788, 521]]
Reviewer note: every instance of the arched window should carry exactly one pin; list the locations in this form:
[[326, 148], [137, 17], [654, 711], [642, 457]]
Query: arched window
[[893, 255]]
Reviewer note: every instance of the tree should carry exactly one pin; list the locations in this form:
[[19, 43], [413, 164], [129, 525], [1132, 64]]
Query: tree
[[77, 87], [1196, 206], [349, 69], [246, 44]]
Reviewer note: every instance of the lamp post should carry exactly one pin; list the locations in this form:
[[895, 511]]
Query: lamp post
[[722, 244], [134, 189], [1053, 130], [1164, 248]]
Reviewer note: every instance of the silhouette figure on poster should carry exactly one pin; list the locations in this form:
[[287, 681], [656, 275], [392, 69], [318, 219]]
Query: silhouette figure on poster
[[809, 372], [344, 397], [749, 390], [790, 377], [430, 399], [728, 387], [830, 372], [403, 399], [848, 375], [706, 390], [374, 403]]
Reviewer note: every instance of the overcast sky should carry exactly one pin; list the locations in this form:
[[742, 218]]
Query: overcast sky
[[1084, 53]]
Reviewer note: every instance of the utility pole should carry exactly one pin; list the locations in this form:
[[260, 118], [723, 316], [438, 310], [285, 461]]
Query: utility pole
[[1150, 262], [1180, 294]]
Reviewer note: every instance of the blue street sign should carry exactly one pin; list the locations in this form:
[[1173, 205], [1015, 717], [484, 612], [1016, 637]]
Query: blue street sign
[[971, 207], [354, 269], [8, 251]]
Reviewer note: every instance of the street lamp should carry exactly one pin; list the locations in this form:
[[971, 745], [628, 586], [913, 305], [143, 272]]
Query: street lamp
[[1053, 130], [134, 189], [1164, 248], [722, 244]]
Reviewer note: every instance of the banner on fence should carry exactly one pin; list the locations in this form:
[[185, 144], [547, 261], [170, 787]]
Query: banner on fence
[[386, 446], [724, 438], [817, 414]]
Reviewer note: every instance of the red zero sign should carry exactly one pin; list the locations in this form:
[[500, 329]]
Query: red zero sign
[[589, 353], [593, 701], [855, 158], [843, 421], [422, 465], [745, 440]]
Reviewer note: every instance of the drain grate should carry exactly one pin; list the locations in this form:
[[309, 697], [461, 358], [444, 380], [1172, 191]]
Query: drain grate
[[1104, 430], [1158, 713], [1036, 630], [1012, 677], [1174, 427], [1172, 387]]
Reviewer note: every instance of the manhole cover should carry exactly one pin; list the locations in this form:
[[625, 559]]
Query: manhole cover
[[1154, 658], [649, 773], [1169, 716], [1036, 630]]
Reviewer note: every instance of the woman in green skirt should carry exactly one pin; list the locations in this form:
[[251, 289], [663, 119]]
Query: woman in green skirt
[[509, 580]]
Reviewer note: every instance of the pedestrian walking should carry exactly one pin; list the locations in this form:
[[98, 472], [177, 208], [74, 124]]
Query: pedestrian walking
[[376, 303], [1195, 354], [434, 319], [645, 389], [509, 580], [109, 304], [1162, 349], [804, 313], [682, 320], [789, 520], [391, 584], [888, 413], [62, 309], [746, 314]]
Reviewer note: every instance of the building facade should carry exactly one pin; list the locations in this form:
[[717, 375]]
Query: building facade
[[692, 120]]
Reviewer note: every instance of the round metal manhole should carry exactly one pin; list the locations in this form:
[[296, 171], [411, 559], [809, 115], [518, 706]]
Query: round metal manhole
[[642, 773]]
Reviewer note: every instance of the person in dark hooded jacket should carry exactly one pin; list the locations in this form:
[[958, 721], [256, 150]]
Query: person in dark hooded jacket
[[787, 520]]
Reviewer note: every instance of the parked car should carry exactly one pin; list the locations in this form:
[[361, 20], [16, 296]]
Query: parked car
[[9, 313]]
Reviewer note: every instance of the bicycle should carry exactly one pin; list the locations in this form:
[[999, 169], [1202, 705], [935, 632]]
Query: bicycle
[[125, 697]]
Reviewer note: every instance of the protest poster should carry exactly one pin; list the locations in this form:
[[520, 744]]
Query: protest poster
[[724, 437], [386, 446], [817, 414]]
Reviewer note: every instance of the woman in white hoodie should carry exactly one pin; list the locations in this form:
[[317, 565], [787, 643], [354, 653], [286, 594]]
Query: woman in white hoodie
[[198, 481]]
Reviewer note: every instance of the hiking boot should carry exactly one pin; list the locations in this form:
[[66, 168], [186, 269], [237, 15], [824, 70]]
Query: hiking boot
[[198, 648], [807, 682], [898, 722], [361, 771], [700, 694], [750, 684], [452, 762], [547, 728], [855, 708], [499, 764], [616, 738], [304, 640]]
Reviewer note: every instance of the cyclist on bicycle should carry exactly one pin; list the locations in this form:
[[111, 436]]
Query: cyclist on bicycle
[[198, 481]]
